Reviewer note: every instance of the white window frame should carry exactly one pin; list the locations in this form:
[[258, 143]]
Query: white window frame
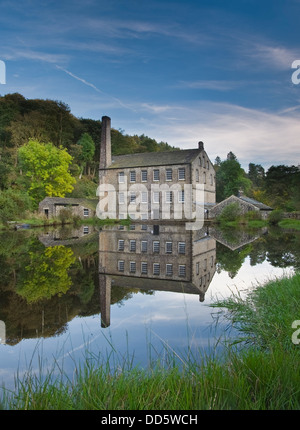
[[86, 212], [132, 266], [181, 173], [169, 247], [181, 248], [181, 196], [156, 171], [169, 174], [144, 268], [182, 270], [121, 245], [121, 177], [132, 245], [121, 265], [156, 246], [132, 176], [144, 246], [169, 269], [143, 175], [156, 269]]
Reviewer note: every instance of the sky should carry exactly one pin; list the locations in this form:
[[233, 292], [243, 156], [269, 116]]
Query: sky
[[221, 72]]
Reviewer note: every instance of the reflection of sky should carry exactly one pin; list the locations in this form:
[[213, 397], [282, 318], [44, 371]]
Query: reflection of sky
[[143, 327]]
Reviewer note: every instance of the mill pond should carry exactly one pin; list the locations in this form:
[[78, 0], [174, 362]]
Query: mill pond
[[125, 293]]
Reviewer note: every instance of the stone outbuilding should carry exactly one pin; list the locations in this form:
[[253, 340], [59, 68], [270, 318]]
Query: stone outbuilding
[[246, 204], [52, 206]]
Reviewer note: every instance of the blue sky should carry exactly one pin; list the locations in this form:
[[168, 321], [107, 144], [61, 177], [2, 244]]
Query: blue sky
[[177, 71]]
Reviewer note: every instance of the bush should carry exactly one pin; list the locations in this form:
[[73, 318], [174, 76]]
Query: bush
[[275, 216], [230, 213], [13, 205]]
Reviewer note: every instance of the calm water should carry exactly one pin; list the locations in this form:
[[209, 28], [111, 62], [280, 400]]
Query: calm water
[[134, 291]]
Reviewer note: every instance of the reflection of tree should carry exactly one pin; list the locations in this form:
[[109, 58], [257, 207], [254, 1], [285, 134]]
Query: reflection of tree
[[231, 261], [47, 274]]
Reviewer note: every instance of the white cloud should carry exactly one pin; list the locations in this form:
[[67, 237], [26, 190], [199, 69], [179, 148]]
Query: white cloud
[[253, 135]]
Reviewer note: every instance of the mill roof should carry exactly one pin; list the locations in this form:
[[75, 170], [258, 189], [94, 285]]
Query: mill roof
[[148, 159]]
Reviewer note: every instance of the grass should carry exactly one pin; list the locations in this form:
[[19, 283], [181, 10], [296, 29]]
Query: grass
[[259, 370], [290, 224]]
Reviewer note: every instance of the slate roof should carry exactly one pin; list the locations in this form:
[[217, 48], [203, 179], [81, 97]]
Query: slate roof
[[148, 159], [88, 203], [253, 202]]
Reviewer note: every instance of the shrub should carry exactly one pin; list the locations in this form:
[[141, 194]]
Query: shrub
[[13, 205], [230, 213], [275, 216]]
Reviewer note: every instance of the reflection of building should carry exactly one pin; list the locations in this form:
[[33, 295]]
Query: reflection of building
[[155, 257], [2, 332], [64, 236]]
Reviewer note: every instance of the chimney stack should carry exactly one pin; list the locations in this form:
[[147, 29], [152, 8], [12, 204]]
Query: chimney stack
[[105, 148], [200, 145]]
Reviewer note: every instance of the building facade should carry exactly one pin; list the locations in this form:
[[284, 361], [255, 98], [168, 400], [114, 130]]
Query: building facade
[[157, 185]]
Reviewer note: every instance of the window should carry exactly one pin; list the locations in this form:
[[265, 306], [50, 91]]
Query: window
[[144, 246], [156, 268], [169, 247], [211, 179], [200, 162], [85, 230], [169, 269], [144, 268], [169, 175], [155, 196], [197, 268], [169, 197], [204, 178], [181, 270], [144, 217], [132, 245], [207, 165], [132, 176], [121, 177], [181, 248], [144, 175], [181, 173], [132, 197], [132, 227], [144, 197], [197, 175], [181, 196], [144, 227], [86, 212], [156, 246], [121, 265], [132, 266], [211, 261], [121, 245], [155, 175], [121, 198]]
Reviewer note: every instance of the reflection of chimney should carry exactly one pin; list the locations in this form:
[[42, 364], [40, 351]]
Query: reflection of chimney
[[200, 145], [105, 298], [105, 148]]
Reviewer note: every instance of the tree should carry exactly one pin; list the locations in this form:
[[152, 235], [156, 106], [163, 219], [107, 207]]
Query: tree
[[47, 274], [256, 174], [87, 150], [48, 169], [231, 178]]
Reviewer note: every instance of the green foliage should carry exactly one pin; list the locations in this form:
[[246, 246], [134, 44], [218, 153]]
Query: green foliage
[[275, 216], [47, 274], [230, 213], [13, 205], [48, 169], [231, 178]]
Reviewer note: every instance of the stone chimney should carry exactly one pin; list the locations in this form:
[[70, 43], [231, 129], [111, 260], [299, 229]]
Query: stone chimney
[[105, 148], [201, 146]]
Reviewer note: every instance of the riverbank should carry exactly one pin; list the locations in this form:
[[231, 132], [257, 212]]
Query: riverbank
[[258, 370]]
